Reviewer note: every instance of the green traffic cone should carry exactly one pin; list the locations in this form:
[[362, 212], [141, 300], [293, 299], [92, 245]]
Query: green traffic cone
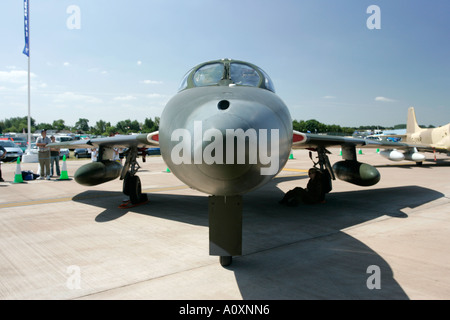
[[64, 175], [18, 176]]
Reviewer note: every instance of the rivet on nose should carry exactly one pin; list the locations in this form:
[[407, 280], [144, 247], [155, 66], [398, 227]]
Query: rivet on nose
[[223, 104]]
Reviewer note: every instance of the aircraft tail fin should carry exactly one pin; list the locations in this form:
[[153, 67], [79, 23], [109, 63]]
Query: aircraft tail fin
[[411, 125]]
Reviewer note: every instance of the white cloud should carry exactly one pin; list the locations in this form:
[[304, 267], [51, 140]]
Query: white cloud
[[15, 76], [71, 97], [66, 64], [329, 97], [151, 82], [139, 62], [97, 70], [384, 99], [155, 95], [125, 98]]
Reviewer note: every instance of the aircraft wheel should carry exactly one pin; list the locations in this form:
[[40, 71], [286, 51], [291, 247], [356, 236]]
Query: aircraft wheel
[[135, 189], [225, 261], [419, 163], [126, 185]]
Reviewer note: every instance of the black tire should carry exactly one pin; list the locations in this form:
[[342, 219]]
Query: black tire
[[135, 190], [126, 184], [225, 261]]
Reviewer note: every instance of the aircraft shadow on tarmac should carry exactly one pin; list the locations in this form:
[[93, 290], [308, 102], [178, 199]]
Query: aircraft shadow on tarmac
[[295, 252], [322, 261]]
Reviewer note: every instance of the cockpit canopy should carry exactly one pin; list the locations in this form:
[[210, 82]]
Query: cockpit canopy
[[226, 72]]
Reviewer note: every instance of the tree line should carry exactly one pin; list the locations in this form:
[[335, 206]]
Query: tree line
[[315, 126], [82, 126], [101, 127]]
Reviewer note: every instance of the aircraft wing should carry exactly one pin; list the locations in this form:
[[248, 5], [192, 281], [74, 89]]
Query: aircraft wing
[[433, 148], [311, 141], [119, 141]]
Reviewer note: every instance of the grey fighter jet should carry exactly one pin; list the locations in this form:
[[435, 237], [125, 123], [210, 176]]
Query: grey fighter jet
[[225, 133]]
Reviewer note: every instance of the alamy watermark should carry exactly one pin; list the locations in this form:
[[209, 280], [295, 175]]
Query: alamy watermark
[[73, 281], [255, 149], [74, 20], [374, 280], [374, 21]]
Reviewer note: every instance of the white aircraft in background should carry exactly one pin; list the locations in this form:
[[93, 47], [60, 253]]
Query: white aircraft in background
[[420, 140]]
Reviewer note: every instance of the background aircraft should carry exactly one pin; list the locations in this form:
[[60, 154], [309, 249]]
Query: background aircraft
[[225, 133], [425, 140]]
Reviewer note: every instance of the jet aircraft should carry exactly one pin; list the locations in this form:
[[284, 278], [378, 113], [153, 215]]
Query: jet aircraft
[[225, 133], [424, 140]]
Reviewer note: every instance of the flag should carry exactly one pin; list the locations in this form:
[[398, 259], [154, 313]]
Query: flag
[[26, 50]]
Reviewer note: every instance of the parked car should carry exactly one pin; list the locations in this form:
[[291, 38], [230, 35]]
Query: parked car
[[12, 150], [153, 151], [20, 142], [64, 152], [82, 153], [63, 138]]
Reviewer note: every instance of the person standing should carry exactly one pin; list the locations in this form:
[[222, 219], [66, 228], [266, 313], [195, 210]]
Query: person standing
[[44, 154], [94, 154], [54, 158], [2, 155]]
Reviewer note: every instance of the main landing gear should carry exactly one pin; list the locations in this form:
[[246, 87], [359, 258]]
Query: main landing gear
[[131, 182], [132, 188]]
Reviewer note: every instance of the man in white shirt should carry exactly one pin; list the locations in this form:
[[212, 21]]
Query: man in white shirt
[[44, 154]]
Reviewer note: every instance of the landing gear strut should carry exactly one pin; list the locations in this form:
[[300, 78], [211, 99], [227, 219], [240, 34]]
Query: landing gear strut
[[325, 168], [131, 182], [323, 162]]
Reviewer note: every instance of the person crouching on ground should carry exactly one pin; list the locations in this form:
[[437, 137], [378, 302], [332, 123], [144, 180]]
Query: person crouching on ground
[[314, 192]]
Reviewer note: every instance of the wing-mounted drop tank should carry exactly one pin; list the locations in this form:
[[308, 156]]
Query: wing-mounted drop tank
[[392, 155], [95, 173], [361, 174]]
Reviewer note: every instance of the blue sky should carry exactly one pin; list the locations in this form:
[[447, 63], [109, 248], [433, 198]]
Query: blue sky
[[127, 57]]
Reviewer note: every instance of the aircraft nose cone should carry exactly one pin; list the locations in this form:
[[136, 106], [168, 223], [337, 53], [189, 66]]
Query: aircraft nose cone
[[224, 147], [225, 140]]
